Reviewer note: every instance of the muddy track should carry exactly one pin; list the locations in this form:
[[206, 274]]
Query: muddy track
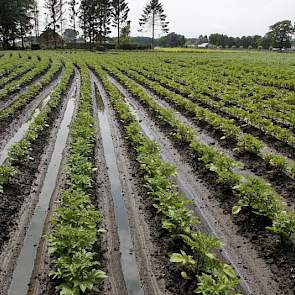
[[253, 165], [21, 197], [143, 247], [114, 284], [10, 126], [264, 263], [269, 140]]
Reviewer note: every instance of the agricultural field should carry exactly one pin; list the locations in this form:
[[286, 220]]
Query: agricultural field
[[147, 173]]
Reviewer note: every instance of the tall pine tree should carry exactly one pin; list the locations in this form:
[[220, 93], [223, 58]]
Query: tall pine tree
[[73, 15], [153, 16], [104, 20], [120, 12], [95, 19], [55, 13]]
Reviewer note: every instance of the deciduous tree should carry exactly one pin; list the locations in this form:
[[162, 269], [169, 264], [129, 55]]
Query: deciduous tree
[[281, 33]]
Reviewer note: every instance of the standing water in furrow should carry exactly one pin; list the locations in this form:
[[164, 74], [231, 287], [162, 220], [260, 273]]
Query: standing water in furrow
[[26, 260], [22, 131], [41, 100], [128, 260]]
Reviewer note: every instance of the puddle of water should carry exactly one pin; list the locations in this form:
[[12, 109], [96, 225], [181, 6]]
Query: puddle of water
[[21, 131], [128, 260], [26, 260]]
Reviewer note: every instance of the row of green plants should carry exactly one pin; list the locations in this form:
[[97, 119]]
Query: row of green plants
[[212, 79], [269, 75], [20, 152], [14, 86], [244, 142], [264, 102], [224, 95], [280, 76], [195, 257], [17, 72], [75, 224], [8, 64], [31, 92], [251, 191]]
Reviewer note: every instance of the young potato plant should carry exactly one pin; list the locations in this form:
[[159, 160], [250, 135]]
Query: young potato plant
[[217, 284], [249, 143], [277, 162], [7, 171], [284, 225], [257, 194]]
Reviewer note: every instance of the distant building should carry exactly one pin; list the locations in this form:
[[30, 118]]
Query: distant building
[[48, 39], [203, 45]]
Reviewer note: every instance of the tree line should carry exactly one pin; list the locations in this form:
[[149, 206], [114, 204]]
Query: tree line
[[279, 36], [94, 17]]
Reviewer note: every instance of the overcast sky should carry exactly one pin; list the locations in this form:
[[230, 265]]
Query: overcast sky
[[232, 17]]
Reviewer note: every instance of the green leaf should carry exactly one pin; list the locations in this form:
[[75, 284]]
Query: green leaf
[[236, 210], [184, 275], [210, 256], [66, 290], [177, 258], [229, 271]]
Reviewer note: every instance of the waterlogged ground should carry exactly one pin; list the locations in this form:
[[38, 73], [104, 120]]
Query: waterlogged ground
[[209, 112]]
